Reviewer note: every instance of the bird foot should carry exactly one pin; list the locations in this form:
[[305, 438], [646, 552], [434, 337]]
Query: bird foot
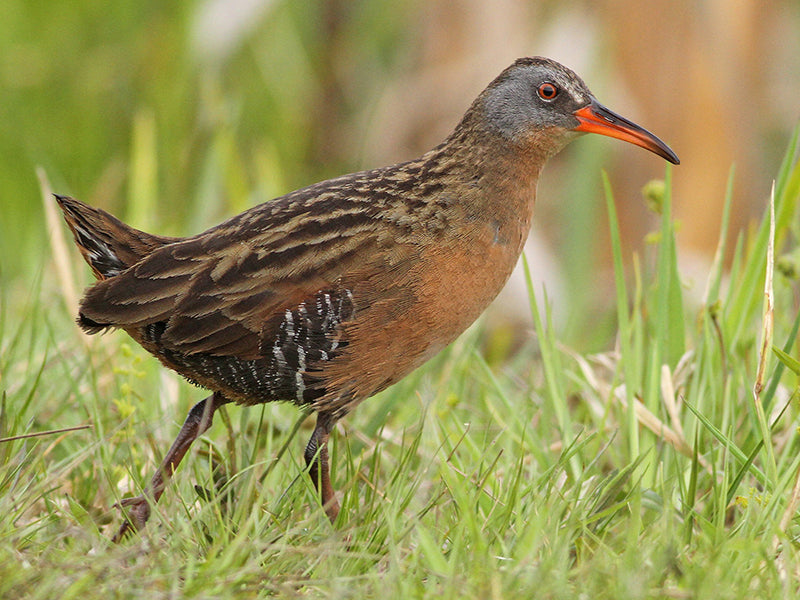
[[137, 511]]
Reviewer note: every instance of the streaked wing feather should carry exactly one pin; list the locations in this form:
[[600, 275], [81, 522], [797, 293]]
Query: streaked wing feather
[[217, 304]]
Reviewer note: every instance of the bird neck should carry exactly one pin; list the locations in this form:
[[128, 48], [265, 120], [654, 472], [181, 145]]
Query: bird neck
[[497, 177]]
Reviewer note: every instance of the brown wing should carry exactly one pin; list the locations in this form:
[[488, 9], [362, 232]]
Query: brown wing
[[226, 292]]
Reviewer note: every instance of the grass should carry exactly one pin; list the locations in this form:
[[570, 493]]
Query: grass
[[667, 466]]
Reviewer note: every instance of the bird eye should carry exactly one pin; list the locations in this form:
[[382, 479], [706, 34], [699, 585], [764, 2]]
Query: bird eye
[[547, 91]]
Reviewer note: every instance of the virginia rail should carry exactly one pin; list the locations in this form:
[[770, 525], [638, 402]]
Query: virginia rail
[[331, 293]]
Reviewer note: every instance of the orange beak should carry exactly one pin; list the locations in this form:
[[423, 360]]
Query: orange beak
[[596, 118]]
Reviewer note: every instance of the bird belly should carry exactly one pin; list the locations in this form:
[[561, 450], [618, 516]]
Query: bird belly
[[449, 288]]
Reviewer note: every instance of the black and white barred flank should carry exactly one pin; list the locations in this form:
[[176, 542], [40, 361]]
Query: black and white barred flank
[[308, 336]]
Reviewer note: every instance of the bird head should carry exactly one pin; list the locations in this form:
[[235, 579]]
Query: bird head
[[541, 102]]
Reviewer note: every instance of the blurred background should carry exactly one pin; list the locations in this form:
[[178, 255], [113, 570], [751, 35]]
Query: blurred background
[[175, 115]]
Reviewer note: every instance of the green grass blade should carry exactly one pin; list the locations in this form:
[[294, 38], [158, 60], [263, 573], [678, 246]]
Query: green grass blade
[[767, 330], [715, 273], [551, 362], [729, 444], [624, 320]]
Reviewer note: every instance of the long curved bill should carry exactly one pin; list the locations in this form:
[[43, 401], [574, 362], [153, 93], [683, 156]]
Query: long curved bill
[[596, 118]]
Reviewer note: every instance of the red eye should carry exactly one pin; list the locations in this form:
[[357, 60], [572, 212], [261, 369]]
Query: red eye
[[547, 91]]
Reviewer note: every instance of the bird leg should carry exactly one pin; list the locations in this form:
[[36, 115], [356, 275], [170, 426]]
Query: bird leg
[[197, 422], [316, 456]]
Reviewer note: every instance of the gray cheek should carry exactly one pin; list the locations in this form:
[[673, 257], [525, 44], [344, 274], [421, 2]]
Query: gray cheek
[[509, 110]]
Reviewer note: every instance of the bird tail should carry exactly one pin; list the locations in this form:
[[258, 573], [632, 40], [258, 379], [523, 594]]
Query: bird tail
[[107, 244]]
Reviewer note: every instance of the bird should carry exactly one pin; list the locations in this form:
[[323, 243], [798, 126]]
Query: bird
[[331, 293]]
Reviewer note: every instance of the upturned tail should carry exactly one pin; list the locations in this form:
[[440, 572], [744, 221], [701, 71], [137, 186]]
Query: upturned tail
[[108, 245]]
